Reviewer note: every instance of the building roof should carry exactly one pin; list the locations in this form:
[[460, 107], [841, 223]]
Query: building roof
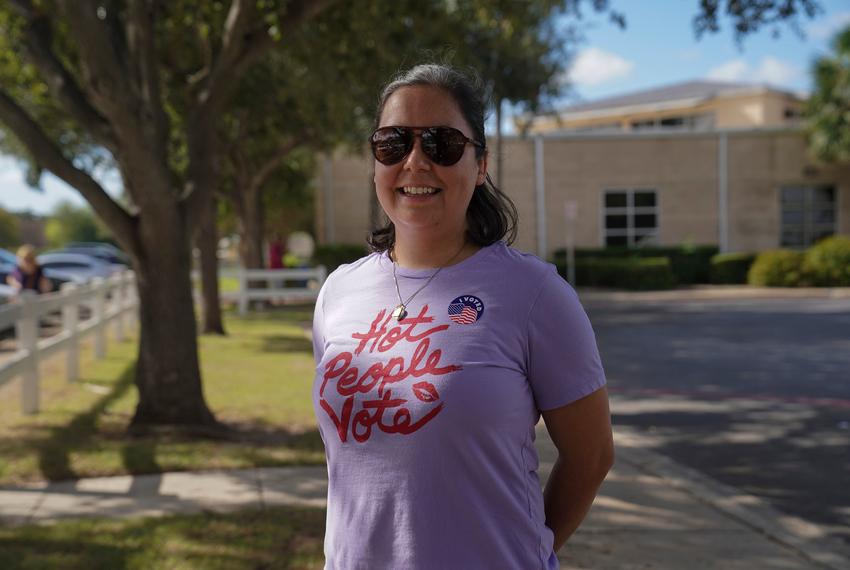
[[678, 94]]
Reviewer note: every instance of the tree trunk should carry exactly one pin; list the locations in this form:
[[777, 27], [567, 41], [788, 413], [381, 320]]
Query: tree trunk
[[252, 226], [168, 374], [206, 239]]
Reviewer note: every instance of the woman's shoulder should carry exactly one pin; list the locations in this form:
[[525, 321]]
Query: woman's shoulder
[[512, 261], [347, 270]]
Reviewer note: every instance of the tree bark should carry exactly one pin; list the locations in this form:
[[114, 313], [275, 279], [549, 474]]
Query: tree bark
[[206, 240], [167, 370]]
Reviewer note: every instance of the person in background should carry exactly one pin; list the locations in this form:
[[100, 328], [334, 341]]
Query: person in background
[[28, 274], [276, 252]]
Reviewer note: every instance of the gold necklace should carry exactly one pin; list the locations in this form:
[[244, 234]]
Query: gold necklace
[[400, 312]]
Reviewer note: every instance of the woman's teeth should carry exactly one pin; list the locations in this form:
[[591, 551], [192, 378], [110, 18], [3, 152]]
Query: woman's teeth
[[415, 190]]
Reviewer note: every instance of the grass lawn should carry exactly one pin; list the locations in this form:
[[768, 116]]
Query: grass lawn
[[257, 379], [286, 538]]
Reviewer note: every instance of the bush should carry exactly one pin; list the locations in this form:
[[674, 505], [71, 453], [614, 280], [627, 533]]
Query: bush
[[689, 263], [731, 268], [334, 255], [827, 263], [778, 268], [624, 273]]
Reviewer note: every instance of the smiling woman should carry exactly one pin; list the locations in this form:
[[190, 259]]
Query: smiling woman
[[437, 354]]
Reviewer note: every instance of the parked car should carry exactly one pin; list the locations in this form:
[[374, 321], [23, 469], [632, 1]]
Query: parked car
[[103, 250], [77, 266]]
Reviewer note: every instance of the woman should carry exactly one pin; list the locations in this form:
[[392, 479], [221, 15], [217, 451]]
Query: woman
[[437, 354], [28, 274]]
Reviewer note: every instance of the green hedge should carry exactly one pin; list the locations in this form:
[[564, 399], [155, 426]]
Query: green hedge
[[336, 254], [623, 273], [779, 268], [690, 263], [827, 263], [731, 268]]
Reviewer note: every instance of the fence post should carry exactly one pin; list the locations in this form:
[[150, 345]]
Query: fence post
[[243, 291], [27, 334], [70, 319], [99, 324]]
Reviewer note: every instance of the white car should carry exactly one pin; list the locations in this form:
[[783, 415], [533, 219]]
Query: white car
[[79, 267]]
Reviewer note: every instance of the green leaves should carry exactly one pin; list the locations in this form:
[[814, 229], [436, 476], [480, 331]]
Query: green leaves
[[828, 108]]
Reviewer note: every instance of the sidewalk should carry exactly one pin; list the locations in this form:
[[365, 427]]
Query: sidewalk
[[651, 513]]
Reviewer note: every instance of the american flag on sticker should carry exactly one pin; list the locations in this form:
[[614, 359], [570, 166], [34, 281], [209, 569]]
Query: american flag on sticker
[[466, 309]]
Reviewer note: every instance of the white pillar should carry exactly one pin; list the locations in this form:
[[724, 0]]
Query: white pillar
[[540, 193], [27, 335], [99, 313], [723, 192], [70, 320]]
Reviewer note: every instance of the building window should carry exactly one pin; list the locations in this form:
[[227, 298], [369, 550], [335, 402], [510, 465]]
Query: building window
[[808, 214], [630, 217], [700, 122]]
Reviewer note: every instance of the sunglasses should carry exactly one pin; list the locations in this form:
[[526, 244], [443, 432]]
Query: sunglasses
[[442, 145]]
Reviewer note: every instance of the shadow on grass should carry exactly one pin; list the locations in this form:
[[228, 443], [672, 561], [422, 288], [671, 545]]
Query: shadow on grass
[[287, 538], [287, 343], [54, 451]]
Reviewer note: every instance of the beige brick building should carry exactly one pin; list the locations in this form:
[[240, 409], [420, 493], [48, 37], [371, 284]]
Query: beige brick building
[[738, 177]]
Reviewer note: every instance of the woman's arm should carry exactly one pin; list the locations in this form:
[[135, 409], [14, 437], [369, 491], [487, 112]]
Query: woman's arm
[[44, 285], [12, 282], [581, 432]]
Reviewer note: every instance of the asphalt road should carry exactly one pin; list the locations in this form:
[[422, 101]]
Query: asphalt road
[[755, 394]]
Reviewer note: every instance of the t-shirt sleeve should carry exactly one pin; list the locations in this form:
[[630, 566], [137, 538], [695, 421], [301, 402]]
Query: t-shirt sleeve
[[563, 360], [319, 325]]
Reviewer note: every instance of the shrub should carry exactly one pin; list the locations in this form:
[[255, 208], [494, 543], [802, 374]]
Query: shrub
[[827, 262], [689, 263], [336, 254], [624, 273], [778, 268], [731, 268]]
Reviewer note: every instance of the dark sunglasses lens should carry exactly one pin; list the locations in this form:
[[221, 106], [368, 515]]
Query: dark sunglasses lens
[[390, 145], [443, 145]]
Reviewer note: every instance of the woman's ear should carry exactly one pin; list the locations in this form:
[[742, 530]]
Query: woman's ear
[[482, 170]]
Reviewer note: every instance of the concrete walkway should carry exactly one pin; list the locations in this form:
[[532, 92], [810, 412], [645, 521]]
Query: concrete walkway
[[651, 513]]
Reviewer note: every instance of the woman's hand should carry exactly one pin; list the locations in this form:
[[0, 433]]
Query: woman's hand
[[581, 431]]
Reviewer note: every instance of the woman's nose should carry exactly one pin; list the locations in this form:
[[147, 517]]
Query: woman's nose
[[417, 159]]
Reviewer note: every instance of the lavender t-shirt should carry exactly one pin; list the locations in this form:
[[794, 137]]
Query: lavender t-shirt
[[428, 423]]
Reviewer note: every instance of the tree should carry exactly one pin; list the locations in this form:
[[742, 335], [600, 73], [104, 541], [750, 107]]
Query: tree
[[828, 107]]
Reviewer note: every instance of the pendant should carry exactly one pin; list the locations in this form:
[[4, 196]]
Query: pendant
[[399, 313]]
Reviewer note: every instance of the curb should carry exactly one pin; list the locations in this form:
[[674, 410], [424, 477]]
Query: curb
[[714, 293], [803, 537]]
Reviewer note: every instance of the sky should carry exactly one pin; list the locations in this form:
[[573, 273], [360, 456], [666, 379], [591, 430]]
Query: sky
[[657, 47]]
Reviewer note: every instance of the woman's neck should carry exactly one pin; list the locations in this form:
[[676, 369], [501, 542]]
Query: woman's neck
[[433, 253]]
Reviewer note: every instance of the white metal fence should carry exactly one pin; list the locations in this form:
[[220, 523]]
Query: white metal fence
[[111, 300]]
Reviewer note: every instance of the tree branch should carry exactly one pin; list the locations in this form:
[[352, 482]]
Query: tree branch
[[104, 70], [273, 163], [243, 45], [32, 136], [38, 36], [143, 54]]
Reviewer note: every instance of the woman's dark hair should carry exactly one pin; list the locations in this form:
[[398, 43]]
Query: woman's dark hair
[[491, 215]]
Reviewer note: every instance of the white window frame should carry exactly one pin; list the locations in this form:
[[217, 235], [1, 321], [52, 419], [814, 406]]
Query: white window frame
[[806, 225], [630, 211]]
